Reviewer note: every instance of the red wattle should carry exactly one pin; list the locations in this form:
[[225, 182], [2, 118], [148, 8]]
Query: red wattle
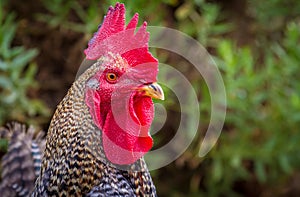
[[120, 147], [127, 143]]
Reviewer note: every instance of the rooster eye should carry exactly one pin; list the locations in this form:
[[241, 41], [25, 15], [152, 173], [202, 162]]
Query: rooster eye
[[111, 77]]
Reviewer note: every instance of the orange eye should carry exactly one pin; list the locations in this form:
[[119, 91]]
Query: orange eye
[[111, 77]]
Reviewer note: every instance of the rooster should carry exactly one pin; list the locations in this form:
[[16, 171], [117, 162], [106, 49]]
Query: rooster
[[99, 132]]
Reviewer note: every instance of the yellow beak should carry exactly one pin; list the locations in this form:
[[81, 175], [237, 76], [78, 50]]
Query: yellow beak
[[152, 90]]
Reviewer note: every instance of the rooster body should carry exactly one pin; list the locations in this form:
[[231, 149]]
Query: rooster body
[[100, 130], [74, 163]]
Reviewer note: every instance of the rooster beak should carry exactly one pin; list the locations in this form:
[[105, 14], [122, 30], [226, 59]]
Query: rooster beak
[[152, 90]]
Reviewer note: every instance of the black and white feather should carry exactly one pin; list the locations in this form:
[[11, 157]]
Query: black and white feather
[[22, 162]]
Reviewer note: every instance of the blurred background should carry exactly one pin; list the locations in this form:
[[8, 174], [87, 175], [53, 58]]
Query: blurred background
[[256, 45]]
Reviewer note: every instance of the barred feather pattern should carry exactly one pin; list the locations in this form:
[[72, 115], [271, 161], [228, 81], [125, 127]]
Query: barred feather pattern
[[21, 164], [74, 163]]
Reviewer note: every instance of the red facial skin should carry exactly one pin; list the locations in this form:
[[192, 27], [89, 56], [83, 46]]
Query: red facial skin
[[123, 114]]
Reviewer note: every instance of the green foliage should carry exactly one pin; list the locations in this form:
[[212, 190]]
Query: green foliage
[[84, 19], [263, 113], [201, 20], [274, 10], [17, 72], [72, 15]]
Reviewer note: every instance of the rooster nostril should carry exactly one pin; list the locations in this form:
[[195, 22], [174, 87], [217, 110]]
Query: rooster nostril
[[153, 87]]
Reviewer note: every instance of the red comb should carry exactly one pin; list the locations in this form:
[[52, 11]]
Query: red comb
[[113, 36]]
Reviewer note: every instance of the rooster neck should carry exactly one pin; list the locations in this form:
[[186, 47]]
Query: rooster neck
[[74, 161]]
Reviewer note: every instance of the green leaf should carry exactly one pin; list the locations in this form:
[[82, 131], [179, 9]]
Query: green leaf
[[217, 170], [20, 61], [3, 145], [225, 50], [285, 164], [5, 82], [3, 65], [260, 171]]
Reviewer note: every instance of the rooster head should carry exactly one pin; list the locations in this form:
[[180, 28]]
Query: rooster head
[[119, 95]]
